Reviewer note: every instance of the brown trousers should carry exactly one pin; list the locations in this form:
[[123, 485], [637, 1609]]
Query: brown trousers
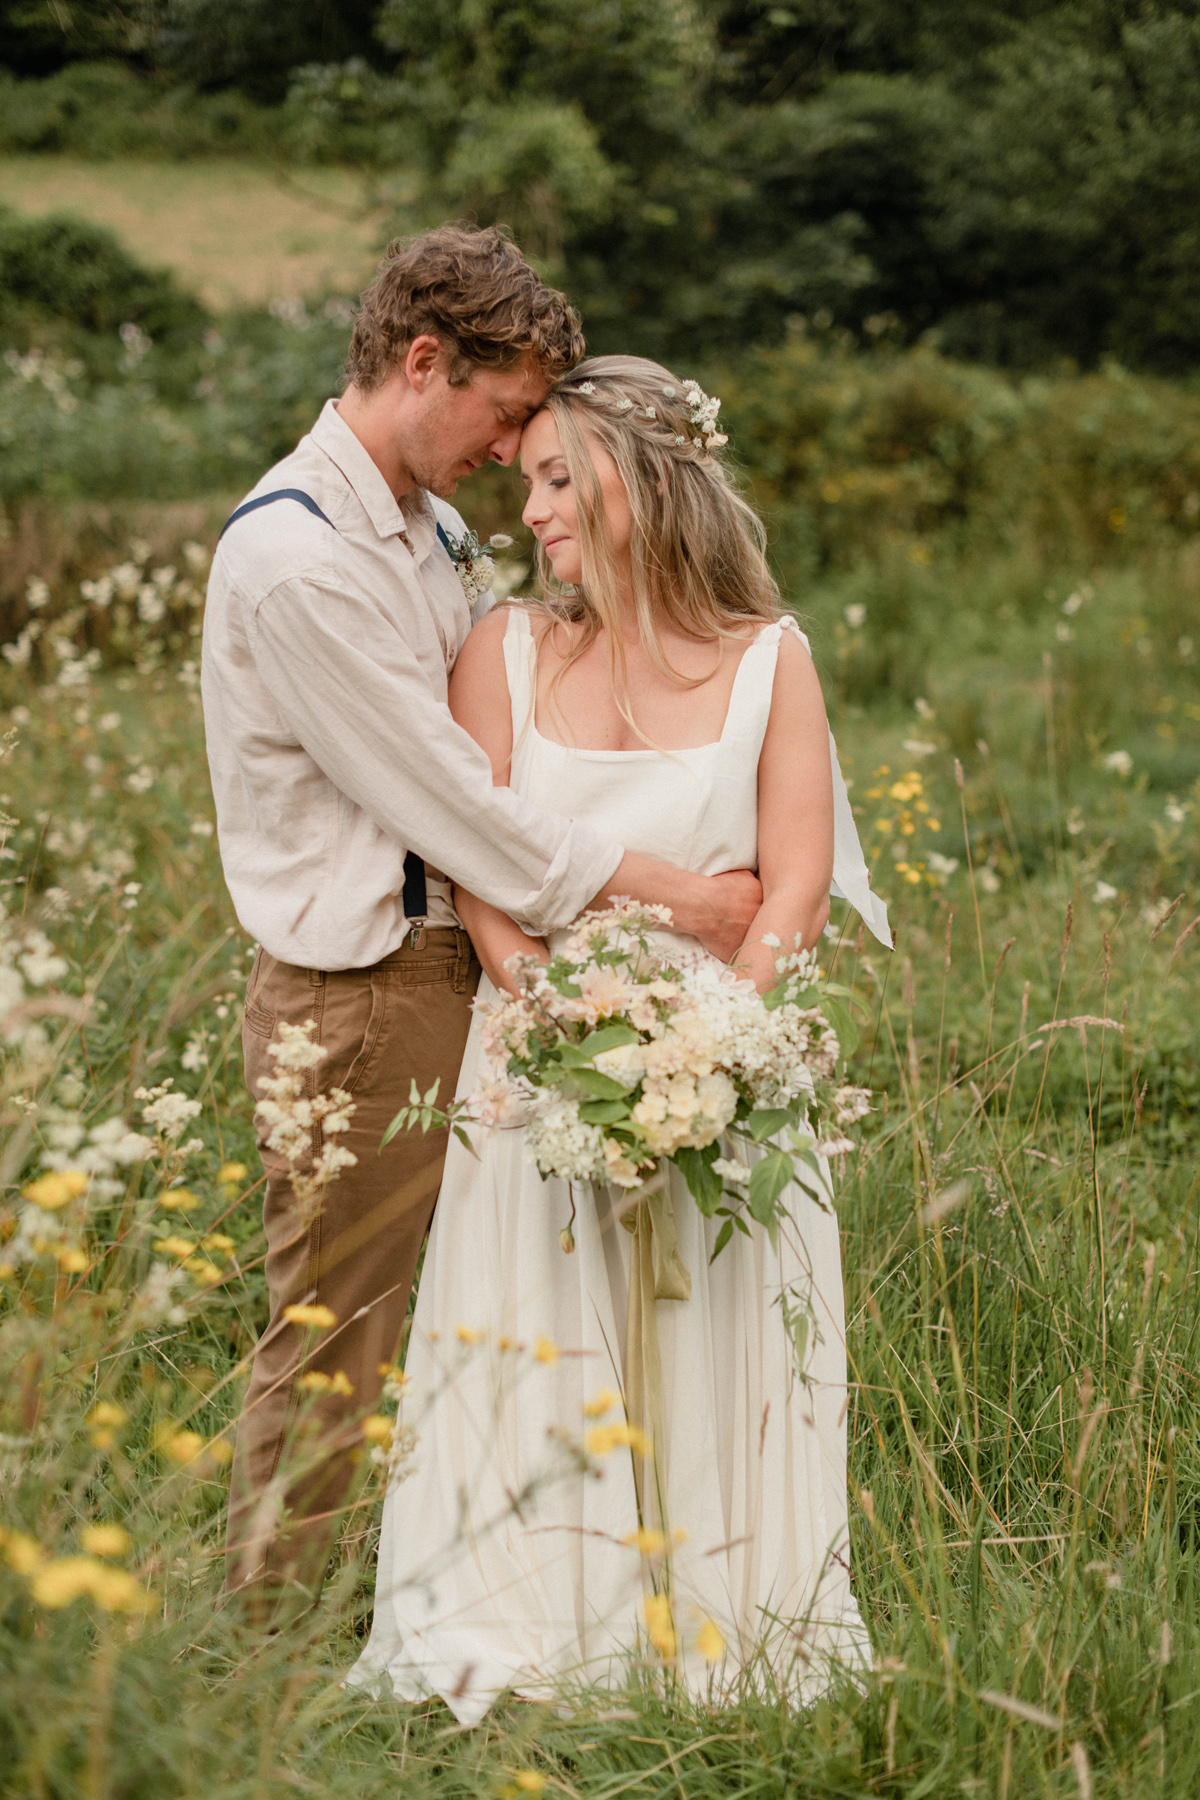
[[404, 1019]]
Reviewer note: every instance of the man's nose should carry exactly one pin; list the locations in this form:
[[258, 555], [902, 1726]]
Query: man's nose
[[503, 449]]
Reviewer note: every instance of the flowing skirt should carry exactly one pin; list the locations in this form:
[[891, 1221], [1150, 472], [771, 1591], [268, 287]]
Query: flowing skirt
[[506, 1560]]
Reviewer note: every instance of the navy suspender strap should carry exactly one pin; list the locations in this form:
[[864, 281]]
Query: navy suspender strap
[[444, 541], [415, 898], [296, 494]]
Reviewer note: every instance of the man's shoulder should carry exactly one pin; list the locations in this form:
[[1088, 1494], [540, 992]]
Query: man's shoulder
[[272, 543]]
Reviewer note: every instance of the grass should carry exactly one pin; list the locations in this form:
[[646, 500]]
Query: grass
[[1019, 1238], [236, 233]]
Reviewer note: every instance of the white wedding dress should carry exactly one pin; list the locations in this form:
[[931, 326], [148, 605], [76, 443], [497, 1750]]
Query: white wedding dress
[[502, 1564]]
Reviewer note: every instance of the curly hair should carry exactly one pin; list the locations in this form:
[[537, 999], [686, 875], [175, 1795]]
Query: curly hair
[[471, 289]]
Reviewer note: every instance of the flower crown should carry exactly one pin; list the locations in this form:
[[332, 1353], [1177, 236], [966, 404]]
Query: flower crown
[[702, 410]]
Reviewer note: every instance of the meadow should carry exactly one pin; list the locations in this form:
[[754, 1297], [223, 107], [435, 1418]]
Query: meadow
[[1019, 1226]]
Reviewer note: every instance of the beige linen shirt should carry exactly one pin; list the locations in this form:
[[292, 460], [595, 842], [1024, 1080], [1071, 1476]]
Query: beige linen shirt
[[331, 747]]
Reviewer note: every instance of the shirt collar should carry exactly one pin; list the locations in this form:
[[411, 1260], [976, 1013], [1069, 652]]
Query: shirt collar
[[412, 517]]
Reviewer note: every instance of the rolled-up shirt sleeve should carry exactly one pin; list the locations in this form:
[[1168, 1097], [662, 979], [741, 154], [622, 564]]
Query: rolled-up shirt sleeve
[[346, 684]]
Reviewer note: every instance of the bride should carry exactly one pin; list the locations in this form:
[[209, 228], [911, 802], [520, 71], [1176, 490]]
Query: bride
[[660, 690]]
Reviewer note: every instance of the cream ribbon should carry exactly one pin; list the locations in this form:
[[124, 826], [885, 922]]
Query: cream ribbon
[[656, 1272]]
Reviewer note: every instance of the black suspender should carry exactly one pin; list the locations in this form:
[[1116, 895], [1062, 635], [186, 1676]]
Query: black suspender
[[414, 897]]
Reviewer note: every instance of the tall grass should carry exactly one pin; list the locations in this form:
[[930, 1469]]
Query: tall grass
[[1020, 1243]]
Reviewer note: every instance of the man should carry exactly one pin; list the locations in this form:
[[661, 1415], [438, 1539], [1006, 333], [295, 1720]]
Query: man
[[347, 802]]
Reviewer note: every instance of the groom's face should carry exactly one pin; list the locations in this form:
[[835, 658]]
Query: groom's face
[[454, 430]]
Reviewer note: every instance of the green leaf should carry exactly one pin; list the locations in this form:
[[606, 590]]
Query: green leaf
[[609, 1037], [598, 1086], [603, 1112], [462, 1137], [696, 1168], [767, 1121], [768, 1179], [723, 1237], [839, 1017]]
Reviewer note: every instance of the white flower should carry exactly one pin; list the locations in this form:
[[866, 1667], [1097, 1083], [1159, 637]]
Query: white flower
[[735, 1173], [1175, 813], [941, 866], [855, 615], [500, 540], [586, 387], [1072, 604], [1103, 892], [1118, 762], [988, 880], [167, 1112], [108, 721]]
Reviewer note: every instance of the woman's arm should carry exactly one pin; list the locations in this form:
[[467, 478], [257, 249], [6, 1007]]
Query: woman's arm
[[481, 704], [795, 816]]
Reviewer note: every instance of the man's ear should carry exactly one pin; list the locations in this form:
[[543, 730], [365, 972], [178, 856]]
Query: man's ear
[[423, 361]]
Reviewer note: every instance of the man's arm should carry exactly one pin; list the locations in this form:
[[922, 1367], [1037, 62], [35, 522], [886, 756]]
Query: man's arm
[[347, 685], [717, 909]]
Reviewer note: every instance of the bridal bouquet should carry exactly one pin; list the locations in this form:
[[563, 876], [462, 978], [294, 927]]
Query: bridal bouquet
[[624, 1053]]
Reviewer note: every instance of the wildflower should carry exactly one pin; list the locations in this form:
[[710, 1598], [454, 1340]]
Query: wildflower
[[500, 540], [988, 880], [709, 1642], [529, 1781], [103, 1422], [649, 1543], [660, 1626], [21, 1552], [602, 1440], [467, 1334], [55, 1190], [69, 1578], [855, 615], [71, 1260], [545, 1351], [183, 1447], [317, 1383], [230, 1174], [178, 1199], [178, 1247], [167, 1112], [1118, 762], [602, 1401], [217, 1240], [105, 1540], [377, 1429], [312, 1318], [1103, 892]]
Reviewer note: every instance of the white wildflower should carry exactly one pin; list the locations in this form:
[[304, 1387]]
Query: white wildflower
[[1118, 762]]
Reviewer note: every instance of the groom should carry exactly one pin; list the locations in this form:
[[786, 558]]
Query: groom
[[348, 801]]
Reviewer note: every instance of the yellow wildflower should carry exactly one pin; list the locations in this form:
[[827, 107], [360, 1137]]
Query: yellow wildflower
[[467, 1334], [602, 1439], [174, 1246], [602, 1401], [181, 1199], [316, 1318], [546, 1351], [393, 1372], [103, 1422], [57, 1584], [231, 1173], [203, 1269], [660, 1627], [182, 1447], [650, 1543], [21, 1552], [105, 1540], [216, 1240], [709, 1642], [54, 1190], [316, 1383], [71, 1260], [220, 1451], [377, 1429], [529, 1781]]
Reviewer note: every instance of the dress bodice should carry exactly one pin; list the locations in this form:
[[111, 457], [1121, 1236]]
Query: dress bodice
[[696, 808]]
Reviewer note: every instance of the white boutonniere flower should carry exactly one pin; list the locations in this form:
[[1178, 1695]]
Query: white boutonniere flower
[[476, 570]]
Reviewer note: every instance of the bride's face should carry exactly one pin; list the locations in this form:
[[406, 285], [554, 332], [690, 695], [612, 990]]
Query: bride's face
[[550, 511]]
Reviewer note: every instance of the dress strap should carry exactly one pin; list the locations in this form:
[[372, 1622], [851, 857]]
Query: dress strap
[[520, 665], [745, 728]]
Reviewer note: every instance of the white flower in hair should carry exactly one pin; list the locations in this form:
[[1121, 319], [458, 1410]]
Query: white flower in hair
[[586, 387], [702, 413]]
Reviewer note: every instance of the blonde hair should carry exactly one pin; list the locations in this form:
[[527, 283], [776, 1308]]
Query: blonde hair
[[696, 546]]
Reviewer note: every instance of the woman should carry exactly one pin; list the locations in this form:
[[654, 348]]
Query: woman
[[659, 689]]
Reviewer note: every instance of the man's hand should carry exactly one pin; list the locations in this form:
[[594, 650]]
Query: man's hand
[[717, 909], [724, 910]]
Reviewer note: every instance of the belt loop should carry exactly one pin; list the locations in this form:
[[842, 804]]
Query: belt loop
[[462, 962], [316, 978]]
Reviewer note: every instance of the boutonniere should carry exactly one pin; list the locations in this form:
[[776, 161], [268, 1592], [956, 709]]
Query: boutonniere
[[476, 570]]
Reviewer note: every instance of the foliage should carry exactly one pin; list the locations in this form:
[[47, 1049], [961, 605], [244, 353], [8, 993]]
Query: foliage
[[1019, 1240]]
